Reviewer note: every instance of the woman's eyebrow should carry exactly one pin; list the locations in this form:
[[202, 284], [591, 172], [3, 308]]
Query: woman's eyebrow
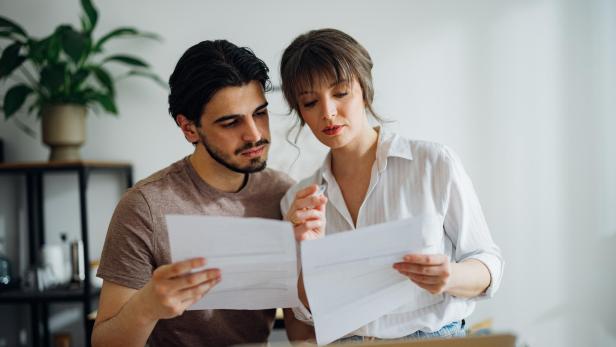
[[334, 84]]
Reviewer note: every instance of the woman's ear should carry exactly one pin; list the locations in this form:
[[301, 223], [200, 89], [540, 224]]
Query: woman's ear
[[188, 128]]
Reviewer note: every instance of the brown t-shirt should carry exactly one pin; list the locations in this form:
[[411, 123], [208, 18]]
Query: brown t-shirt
[[137, 243]]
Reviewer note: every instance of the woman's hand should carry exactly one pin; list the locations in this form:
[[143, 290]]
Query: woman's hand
[[307, 213], [431, 272]]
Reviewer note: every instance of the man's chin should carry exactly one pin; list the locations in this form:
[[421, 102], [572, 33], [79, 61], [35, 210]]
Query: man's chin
[[255, 165]]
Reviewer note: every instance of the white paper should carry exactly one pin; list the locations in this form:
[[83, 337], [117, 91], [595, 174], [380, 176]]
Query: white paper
[[256, 257], [349, 278]]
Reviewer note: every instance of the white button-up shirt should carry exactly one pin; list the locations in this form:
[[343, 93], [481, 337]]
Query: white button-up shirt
[[412, 178]]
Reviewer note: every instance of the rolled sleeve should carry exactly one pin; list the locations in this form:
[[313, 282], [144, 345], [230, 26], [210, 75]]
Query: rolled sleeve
[[466, 225], [495, 265]]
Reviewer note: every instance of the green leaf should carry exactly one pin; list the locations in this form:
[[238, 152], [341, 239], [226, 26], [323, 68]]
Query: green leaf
[[47, 50], [12, 26], [149, 75], [91, 12], [78, 77], [10, 59], [73, 43], [52, 77], [115, 33], [15, 98], [85, 24], [125, 31], [9, 35], [105, 79], [107, 102], [126, 60]]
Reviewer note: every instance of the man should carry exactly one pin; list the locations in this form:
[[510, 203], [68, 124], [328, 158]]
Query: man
[[217, 99]]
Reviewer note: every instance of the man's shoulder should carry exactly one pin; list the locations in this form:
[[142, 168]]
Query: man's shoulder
[[162, 185], [164, 177]]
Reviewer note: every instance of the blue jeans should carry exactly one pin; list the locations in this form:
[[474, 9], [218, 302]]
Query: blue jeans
[[454, 329]]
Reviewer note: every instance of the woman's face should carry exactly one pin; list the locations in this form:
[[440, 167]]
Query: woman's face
[[335, 112]]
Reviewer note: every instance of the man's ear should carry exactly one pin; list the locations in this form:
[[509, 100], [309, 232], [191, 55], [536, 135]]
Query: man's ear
[[188, 128]]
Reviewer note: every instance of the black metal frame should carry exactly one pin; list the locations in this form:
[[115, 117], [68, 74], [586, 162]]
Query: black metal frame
[[39, 301]]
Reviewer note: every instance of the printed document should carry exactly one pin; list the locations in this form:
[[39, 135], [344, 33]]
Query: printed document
[[257, 259], [349, 278]]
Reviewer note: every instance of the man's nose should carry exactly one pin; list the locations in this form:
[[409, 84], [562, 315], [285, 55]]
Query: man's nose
[[251, 131]]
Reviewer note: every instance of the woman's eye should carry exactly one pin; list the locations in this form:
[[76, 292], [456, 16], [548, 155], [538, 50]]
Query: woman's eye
[[341, 94], [309, 104], [261, 113]]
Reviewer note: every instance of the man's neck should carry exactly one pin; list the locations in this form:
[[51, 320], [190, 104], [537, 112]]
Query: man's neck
[[215, 174]]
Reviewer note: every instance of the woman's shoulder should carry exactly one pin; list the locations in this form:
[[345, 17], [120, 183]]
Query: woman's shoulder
[[422, 150]]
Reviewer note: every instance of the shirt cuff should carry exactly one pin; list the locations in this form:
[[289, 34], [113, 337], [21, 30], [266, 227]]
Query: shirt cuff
[[495, 267], [302, 314]]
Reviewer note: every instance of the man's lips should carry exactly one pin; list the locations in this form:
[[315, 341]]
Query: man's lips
[[253, 152], [333, 130]]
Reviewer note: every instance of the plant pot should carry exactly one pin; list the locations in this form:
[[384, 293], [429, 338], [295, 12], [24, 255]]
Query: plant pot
[[64, 130]]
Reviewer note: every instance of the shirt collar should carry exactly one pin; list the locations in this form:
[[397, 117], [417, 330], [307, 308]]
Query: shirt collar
[[389, 144]]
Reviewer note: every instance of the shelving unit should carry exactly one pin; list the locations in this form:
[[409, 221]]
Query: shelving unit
[[84, 294]]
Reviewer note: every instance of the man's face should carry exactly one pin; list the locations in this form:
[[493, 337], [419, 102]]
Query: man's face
[[235, 128]]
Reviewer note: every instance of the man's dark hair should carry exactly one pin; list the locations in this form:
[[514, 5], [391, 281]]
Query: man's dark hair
[[206, 68]]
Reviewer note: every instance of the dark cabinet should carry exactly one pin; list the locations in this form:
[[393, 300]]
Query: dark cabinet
[[38, 301]]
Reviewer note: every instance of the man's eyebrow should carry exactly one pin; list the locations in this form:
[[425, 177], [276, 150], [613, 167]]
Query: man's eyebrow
[[261, 107], [226, 118], [237, 115]]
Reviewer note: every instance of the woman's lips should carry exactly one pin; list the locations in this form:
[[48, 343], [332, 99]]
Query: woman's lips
[[333, 130], [254, 152]]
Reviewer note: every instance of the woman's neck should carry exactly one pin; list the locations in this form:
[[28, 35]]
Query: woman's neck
[[358, 154]]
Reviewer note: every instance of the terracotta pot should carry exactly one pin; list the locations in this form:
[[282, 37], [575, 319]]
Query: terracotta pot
[[64, 130]]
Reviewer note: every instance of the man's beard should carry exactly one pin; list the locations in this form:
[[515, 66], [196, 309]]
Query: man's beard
[[256, 164]]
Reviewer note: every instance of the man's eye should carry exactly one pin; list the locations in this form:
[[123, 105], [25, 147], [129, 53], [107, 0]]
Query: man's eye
[[229, 124], [261, 113], [309, 104]]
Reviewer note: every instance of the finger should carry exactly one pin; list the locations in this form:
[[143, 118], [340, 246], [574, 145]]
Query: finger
[[307, 229], [323, 203], [426, 259], [314, 225], [430, 270], [179, 268], [300, 216], [194, 279], [311, 201], [429, 280], [311, 189], [198, 291]]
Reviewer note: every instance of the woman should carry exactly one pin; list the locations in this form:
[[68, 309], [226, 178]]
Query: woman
[[375, 176]]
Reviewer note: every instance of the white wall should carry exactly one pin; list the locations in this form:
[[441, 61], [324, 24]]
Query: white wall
[[522, 90]]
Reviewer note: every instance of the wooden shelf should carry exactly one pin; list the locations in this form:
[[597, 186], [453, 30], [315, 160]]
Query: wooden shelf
[[62, 165], [13, 296]]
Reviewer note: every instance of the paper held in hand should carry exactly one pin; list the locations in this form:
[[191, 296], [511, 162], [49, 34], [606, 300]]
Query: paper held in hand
[[257, 258], [349, 278]]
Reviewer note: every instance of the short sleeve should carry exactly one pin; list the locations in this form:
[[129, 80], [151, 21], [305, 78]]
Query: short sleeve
[[465, 223], [128, 256]]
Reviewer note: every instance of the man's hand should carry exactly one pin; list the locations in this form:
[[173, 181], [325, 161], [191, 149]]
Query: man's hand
[[307, 213], [431, 272], [174, 287]]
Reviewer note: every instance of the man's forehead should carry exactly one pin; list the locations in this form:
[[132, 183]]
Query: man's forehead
[[240, 100]]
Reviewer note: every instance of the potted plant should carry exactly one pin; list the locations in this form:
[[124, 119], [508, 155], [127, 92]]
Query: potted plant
[[60, 76]]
